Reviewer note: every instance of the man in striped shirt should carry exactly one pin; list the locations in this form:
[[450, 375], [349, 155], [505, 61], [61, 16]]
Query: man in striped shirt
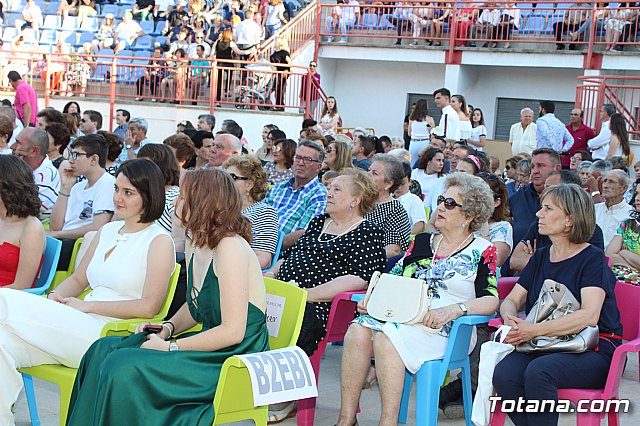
[[300, 199]]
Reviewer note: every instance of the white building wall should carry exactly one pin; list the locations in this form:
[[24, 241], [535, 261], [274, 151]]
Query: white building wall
[[374, 93]]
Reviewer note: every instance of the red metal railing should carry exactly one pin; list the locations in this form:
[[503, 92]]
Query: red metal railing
[[298, 32], [240, 84], [580, 24], [622, 92]]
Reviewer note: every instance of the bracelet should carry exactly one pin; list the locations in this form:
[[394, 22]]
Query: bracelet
[[63, 194], [173, 327]]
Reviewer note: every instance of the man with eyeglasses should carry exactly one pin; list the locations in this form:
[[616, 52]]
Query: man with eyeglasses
[[32, 146], [86, 205], [224, 146], [301, 198], [90, 122]]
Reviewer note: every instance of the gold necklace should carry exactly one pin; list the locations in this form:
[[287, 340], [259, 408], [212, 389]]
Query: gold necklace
[[433, 259], [326, 227]]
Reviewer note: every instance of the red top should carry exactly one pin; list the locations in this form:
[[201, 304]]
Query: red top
[[580, 138], [25, 94], [9, 258]]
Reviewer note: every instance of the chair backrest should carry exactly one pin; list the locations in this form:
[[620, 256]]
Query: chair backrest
[[48, 269], [144, 41], [505, 285], [292, 314], [70, 23], [90, 23], [628, 301], [171, 290], [277, 253], [147, 26]]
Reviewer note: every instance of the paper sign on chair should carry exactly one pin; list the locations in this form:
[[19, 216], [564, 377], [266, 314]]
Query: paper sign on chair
[[280, 375]]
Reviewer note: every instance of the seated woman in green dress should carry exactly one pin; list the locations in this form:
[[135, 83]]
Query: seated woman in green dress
[[155, 380]]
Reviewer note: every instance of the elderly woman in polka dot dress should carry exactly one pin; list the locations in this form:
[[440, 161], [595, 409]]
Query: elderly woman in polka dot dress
[[339, 252], [387, 173]]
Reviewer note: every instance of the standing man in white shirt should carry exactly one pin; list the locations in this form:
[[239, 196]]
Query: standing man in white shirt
[[248, 33], [599, 146], [32, 146], [350, 14], [615, 209], [522, 135], [449, 125]]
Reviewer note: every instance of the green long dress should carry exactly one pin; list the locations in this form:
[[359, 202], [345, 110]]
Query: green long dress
[[118, 383]]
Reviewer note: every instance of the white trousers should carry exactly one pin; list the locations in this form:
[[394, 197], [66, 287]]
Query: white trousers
[[36, 331]]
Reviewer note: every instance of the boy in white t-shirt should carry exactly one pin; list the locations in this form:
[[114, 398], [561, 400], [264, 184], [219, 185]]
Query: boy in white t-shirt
[[411, 202], [87, 205]]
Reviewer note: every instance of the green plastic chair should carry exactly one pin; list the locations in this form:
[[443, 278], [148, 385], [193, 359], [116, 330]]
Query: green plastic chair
[[63, 275], [64, 377], [234, 396]]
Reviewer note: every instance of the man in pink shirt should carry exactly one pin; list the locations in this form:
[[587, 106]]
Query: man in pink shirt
[[26, 102]]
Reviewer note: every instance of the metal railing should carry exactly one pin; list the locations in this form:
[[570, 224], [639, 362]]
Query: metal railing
[[298, 32], [206, 82], [622, 92], [453, 26]]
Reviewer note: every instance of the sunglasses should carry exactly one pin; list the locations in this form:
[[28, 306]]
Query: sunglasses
[[236, 177], [277, 148], [330, 149], [449, 203]]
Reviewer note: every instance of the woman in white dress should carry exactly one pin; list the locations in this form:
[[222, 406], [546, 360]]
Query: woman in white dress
[[619, 145], [460, 270], [478, 136], [127, 274], [429, 171]]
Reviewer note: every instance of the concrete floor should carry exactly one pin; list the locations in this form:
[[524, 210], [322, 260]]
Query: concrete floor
[[328, 402]]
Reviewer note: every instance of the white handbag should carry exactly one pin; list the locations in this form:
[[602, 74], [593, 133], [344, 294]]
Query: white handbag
[[392, 298]]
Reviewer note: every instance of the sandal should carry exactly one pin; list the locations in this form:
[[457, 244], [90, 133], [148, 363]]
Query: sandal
[[290, 410]]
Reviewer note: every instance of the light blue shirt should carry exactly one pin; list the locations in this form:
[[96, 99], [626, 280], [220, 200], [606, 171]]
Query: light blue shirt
[[552, 133]]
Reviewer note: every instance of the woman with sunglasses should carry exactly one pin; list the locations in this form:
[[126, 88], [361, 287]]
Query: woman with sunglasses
[[387, 173], [337, 157], [283, 150], [460, 269], [251, 181]]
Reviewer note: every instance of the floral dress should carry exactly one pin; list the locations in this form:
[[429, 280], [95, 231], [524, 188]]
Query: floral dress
[[465, 275]]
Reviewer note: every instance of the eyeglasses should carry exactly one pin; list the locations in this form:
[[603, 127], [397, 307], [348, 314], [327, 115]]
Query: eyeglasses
[[73, 155], [312, 65], [304, 160], [330, 149], [236, 177], [277, 148], [449, 203]]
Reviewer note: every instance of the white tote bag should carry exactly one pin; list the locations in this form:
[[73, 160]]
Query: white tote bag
[[491, 353]]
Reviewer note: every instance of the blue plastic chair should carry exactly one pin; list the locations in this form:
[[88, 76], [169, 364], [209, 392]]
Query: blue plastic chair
[[49, 264], [433, 373], [277, 254]]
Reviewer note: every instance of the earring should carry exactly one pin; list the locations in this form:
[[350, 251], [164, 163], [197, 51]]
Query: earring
[[464, 225]]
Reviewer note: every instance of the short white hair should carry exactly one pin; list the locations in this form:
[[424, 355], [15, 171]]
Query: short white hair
[[523, 110]]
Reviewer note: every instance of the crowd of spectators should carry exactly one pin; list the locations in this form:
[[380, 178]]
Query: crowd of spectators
[[340, 205]]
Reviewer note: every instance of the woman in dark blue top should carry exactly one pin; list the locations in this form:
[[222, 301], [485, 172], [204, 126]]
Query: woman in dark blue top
[[567, 217]]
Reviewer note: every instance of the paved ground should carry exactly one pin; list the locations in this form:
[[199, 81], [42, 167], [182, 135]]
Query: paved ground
[[329, 399]]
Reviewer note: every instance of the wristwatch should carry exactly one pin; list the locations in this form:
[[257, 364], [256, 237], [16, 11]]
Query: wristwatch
[[173, 345], [127, 146], [462, 306]]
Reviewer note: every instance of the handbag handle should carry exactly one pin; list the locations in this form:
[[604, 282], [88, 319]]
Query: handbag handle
[[372, 283], [501, 333]]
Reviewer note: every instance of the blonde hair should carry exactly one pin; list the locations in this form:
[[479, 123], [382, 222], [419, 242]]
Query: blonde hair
[[251, 167], [477, 197], [362, 186]]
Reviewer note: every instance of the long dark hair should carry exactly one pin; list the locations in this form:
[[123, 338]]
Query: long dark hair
[[619, 128], [420, 111], [18, 191], [429, 154]]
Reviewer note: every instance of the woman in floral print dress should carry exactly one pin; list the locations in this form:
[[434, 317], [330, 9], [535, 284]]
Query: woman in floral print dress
[[460, 271]]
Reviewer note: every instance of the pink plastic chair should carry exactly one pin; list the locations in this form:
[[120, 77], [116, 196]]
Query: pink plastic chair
[[505, 285], [342, 312], [628, 300]]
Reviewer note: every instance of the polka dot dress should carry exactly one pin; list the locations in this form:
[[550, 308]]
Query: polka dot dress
[[394, 221], [316, 259]]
